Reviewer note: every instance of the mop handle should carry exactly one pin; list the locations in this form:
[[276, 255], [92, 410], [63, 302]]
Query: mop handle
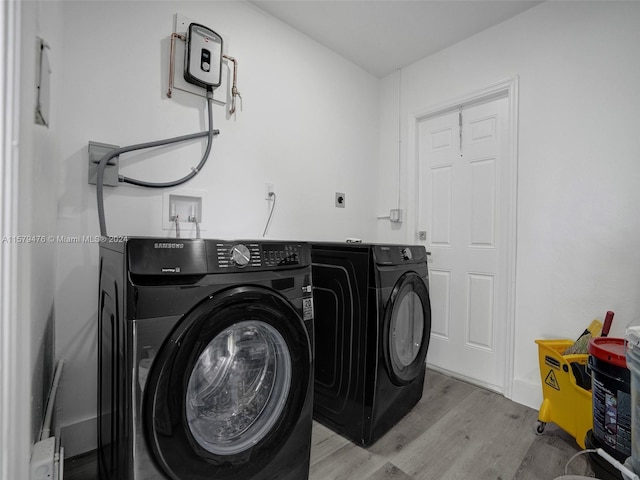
[[628, 473], [607, 323]]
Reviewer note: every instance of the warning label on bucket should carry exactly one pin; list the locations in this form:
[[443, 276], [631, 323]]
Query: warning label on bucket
[[551, 380]]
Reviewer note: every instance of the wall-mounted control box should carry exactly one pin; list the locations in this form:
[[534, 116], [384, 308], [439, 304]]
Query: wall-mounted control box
[[203, 57]]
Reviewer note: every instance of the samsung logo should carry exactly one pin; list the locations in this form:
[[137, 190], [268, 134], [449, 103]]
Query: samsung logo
[[168, 245]]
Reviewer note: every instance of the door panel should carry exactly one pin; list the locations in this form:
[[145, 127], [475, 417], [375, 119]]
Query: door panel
[[440, 289], [480, 312], [483, 203], [461, 176], [441, 178]]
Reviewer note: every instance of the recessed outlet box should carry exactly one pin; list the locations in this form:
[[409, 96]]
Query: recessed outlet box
[[340, 200], [96, 152], [187, 205], [422, 235], [185, 208]]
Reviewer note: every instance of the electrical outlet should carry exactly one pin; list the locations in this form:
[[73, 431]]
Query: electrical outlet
[[269, 191], [340, 200]]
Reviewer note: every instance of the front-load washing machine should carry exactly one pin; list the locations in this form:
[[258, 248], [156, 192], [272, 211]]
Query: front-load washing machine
[[205, 360], [372, 328]]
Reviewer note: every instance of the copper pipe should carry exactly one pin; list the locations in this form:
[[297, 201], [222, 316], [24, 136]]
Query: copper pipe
[[234, 89], [172, 59]]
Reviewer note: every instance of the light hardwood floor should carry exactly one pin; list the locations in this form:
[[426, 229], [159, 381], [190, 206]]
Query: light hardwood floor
[[456, 432]]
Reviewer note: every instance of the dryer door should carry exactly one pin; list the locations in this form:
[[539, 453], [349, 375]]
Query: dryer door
[[407, 328], [228, 386]]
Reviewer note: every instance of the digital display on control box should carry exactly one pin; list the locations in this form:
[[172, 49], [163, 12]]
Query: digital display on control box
[[280, 254]]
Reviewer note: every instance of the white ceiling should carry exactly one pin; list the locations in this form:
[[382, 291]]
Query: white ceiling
[[383, 35]]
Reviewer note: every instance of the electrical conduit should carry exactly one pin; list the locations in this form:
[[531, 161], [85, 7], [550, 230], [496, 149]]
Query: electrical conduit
[[158, 143]]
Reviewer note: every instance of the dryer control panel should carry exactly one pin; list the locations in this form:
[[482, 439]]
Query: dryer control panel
[[399, 254]]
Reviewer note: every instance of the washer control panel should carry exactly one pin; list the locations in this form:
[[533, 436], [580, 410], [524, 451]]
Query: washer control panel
[[275, 255], [268, 255], [238, 255]]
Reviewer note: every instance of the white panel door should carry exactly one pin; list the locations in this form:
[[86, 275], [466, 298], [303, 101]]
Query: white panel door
[[460, 195]]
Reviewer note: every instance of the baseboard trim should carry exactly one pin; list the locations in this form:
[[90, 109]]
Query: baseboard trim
[[80, 437], [472, 381], [527, 393]]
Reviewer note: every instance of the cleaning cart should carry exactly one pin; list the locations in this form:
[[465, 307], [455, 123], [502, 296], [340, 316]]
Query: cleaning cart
[[566, 387]]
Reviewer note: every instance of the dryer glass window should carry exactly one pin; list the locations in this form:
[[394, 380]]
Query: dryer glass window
[[238, 387], [407, 328]]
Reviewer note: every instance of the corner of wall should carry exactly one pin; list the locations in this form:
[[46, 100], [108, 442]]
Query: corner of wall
[[527, 393]]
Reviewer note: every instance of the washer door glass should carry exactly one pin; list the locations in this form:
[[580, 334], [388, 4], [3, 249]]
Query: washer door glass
[[407, 328], [238, 387]]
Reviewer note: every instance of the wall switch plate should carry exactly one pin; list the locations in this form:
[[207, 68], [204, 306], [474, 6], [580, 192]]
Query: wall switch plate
[[422, 235], [96, 152], [340, 200]]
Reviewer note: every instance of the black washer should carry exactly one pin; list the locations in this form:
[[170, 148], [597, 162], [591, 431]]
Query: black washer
[[205, 367]]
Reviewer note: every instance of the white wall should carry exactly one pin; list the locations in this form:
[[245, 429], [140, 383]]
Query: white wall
[[309, 124], [29, 217], [578, 169], [314, 124], [39, 157]]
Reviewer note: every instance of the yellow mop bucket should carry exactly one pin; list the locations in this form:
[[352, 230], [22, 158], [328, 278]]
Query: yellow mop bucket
[[566, 389]]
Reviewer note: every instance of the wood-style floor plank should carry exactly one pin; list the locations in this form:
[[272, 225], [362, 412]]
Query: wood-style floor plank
[[389, 472], [456, 432], [347, 463], [549, 454], [325, 442], [441, 395]]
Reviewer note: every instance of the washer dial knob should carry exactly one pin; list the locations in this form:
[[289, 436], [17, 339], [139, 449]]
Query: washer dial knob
[[240, 255], [406, 254]]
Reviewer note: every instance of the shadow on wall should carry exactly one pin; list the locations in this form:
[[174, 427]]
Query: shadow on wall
[[77, 393], [42, 376]]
